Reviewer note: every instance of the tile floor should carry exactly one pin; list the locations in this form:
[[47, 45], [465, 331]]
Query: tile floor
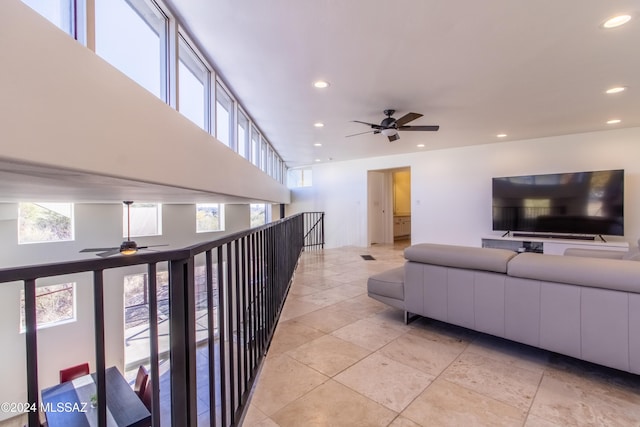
[[340, 358]]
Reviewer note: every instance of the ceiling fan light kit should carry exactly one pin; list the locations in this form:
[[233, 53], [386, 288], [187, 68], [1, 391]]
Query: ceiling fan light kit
[[128, 247], [390, 126]]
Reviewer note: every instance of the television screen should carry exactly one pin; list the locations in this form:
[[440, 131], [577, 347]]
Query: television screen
[[567, 203]]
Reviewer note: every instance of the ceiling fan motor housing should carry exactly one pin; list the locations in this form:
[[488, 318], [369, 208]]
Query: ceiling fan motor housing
[[389, 122], [128, 247]]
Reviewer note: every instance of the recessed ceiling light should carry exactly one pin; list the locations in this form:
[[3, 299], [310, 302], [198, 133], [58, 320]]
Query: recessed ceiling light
[[317, 144], [501, 135], [616, 89], [613, 121], [318, 125], [321, 84], [317, 160], [420, 145], [616, 21]]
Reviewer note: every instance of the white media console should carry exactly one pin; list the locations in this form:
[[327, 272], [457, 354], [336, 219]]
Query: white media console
[[553, 246]]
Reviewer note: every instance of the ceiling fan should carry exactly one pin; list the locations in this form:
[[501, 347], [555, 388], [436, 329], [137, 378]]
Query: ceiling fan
[[128, 247], [389, 126]]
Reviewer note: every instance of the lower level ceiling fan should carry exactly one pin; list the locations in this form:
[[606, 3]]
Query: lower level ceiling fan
[[389, 126], [128, 247]]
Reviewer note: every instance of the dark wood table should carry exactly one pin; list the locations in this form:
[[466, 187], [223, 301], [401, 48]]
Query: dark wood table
[[69, 404]]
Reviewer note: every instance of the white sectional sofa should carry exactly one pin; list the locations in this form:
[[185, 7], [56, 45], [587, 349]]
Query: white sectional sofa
[[588, 308]]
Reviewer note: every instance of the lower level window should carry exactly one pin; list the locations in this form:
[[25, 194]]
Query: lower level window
[[45, 222], [209, 217], [55, 304], [259, 214]]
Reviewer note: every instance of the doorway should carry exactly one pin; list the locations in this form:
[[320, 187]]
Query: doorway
[[389, 205]]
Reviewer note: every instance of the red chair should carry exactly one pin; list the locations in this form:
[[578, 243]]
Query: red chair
[[74, 372], [141, 381], [147, 396]]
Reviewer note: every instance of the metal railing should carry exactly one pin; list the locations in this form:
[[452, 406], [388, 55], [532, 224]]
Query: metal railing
[[247, 278]]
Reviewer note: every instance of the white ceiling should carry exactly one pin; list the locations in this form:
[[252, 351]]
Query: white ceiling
[[477, 68]]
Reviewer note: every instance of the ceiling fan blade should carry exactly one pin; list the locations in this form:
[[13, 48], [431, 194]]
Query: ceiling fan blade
[[150, 246], [372, 125], [109, 253], [420, 128], [362, 133], [364, 123], [394, 137], [409, 117], [97, 249]]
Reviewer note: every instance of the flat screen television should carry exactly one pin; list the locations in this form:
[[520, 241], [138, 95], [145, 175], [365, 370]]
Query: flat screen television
[[577, 203]]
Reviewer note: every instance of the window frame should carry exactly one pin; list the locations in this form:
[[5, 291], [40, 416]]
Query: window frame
[[221, 218], [198, 68], [43, 205], [45, 325], [226, 101], [135, 233]]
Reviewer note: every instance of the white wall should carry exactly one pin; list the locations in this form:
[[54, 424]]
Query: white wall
[[65, 107], [451, 189], [96, 225]]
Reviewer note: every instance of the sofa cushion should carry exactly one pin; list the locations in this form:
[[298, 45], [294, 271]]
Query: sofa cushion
[[389, 283], [594, 272], [487, 259]]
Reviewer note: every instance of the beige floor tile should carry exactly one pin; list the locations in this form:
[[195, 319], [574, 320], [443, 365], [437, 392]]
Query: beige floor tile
[[442, 332], [327, 297], [329, 355], [571, 400], [431, 357], [391, 317], [535, 421], [253, 416], [506, 383], [295, 307], [283, 380], [447, 404], [367, 334], [335, 405], [300, 290], [328, 319], [510, 353], [401, 421], [385, 381], [291, 334], [362, 306]]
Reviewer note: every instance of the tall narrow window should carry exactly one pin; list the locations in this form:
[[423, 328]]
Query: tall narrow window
[[132, 36], [146, 219], [209, 217], [45, 222], [259, 214], [224, 116], [59, 12], [255, 146], [263, 155], [55, 304], [193, 84], [243, 135]]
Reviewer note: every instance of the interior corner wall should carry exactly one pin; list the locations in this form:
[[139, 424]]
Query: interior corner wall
[[451, 188]]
